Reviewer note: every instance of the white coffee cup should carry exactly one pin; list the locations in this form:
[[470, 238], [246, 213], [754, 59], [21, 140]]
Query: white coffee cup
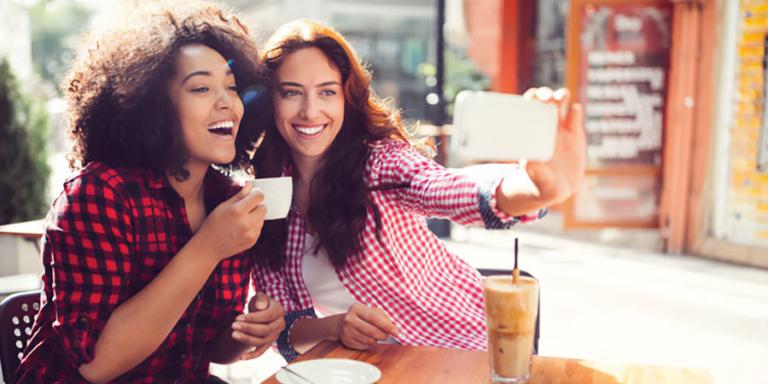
[[277, 195]]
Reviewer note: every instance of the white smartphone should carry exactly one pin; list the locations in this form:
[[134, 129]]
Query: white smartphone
[[491, 126]]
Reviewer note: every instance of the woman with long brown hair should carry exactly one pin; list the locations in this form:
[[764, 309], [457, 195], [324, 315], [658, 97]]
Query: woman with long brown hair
[[354, 260]]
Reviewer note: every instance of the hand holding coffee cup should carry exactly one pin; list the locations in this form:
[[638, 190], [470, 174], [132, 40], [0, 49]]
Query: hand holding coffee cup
[[278, 192]]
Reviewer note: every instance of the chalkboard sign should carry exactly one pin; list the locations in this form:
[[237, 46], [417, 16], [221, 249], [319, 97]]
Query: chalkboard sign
[[618, 59], [622, 76]]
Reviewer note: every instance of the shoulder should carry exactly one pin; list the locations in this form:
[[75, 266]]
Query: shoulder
[[391, 152], [388, 145], [101, 179]]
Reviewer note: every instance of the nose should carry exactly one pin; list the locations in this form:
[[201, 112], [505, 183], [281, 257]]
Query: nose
[[309, 109], [224, 99]]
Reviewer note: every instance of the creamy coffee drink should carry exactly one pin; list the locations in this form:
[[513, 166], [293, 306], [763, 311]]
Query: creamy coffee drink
[[511, 317]]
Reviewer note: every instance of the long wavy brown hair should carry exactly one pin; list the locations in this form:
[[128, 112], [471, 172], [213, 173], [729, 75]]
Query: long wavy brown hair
[[339, 198], [119, 109]]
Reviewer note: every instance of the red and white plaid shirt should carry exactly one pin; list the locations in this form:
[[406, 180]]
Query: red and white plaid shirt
[[433, 297], [110, 233]]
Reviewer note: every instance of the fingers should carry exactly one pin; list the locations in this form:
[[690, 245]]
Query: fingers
[[255, 353], [378, 318], [259, 302], [253, 199], [355, 339], [563, 99], [273, 311], [247, 187], [529, 94], [257, 335], [370, 331], [544, 93], [258, 330], [560, 97], [576, 118]]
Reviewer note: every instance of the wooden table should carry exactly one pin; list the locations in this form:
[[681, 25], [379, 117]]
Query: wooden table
[[402, 364], [31, 230]]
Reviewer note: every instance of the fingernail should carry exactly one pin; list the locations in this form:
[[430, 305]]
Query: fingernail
[[240, 318], [235, 335], [237, 326], [544, 93]]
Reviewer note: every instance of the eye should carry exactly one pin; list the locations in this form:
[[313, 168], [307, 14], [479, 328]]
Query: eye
[[328, 92], [200, 89], [289, 92], [233, 88]]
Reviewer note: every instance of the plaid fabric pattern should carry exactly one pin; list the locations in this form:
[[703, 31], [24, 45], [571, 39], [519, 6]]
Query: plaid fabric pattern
[[434, 297], [109, 233]]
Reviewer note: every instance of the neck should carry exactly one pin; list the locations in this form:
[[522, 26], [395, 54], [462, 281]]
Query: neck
[[305, 169], [191, 189]]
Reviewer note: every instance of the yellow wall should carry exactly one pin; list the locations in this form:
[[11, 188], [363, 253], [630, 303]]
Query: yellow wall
[[747, 204]]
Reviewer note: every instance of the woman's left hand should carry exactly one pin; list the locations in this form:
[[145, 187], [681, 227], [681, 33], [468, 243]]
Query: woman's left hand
[[558, 178], [260, 327]]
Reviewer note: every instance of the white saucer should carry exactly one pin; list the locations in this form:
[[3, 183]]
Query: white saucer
[[322, 371]]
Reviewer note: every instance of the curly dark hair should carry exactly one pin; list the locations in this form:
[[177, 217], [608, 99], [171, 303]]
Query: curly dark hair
[[338, 194], [119, 109]]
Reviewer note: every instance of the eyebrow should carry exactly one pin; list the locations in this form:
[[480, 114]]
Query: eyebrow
[[294, 84], [203, 73]]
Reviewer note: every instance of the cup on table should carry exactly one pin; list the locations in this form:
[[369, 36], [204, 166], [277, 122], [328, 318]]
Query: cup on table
[[277, 195], [510, 310]]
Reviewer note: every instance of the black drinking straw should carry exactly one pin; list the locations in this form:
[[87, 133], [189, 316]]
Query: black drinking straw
[[515, 272], [515, 252]]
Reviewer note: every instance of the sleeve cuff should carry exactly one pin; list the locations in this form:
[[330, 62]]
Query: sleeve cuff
[[283, 345], [493, 217], [79, 334]]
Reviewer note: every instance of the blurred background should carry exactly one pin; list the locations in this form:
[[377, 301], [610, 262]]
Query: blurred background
[[660, 258]]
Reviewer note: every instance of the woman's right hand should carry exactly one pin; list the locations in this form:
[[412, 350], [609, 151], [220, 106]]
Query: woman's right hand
[[363, 326], [234, 225]]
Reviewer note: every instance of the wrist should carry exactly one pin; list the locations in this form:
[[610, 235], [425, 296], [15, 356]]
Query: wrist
[[202, 250], [332, 327], [517, 194]]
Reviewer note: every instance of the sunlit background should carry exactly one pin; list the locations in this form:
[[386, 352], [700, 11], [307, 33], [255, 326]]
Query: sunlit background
[[662, 258]]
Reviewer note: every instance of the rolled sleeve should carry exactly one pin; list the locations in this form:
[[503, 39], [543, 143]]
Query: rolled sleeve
[[89, 240], [283, 344], [493, 217], [232, 277]]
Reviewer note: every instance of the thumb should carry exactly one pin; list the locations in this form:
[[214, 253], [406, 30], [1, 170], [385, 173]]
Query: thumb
[[575, 117], [247, 187], [259, 302]]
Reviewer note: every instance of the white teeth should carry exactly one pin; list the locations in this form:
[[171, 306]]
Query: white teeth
[[309, 130], [222, 124]]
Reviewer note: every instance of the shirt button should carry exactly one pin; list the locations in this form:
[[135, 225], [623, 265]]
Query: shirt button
[[83, 320], [183, 356], [188, 325]]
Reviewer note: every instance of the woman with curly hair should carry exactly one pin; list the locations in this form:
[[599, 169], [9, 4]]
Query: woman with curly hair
[[354, 261], [146, 251]]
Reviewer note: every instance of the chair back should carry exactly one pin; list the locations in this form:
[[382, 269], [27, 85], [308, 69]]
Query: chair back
[[17, 314]]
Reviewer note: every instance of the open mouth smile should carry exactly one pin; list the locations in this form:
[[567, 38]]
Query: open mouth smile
[[222, 128], [309, 130]]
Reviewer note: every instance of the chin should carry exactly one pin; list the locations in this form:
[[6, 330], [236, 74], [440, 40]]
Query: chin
[[223, 159]]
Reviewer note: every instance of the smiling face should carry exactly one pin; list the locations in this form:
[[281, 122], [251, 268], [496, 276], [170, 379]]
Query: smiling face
[[209, 109], [309, 103]]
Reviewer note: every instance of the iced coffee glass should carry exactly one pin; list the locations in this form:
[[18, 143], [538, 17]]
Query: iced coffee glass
[[511, 317]]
